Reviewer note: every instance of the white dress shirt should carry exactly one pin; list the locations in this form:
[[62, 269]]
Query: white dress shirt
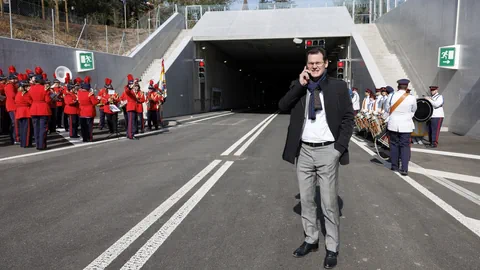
[[316, 131], [356, 101], [437, 101], [401, 120]]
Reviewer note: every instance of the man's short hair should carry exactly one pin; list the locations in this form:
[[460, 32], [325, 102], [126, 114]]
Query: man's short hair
[[317, 51], [402, 87]]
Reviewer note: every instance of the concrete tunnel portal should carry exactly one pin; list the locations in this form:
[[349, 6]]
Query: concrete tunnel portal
[[266, 66]]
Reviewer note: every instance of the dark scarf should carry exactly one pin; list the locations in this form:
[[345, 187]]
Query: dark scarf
[[315, 103]]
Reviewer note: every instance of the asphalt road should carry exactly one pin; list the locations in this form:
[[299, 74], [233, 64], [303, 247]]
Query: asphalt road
[[173, 201]]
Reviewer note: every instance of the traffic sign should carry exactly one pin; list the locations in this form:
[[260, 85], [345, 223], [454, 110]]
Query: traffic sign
[[85, 61], [449, 57]]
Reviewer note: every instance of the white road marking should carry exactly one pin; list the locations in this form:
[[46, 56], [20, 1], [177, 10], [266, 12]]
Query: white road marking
[[199, 116], [229, 123], [244, 146], [237, 143], [467, 194], [208, 118], [103, 141], [151, 246], [448, 175], [445, 153], [471, 224], [126, 240]]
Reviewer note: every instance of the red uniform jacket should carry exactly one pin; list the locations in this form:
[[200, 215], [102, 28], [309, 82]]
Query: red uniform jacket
[[60, 92], [10, 92], [2, 93], [71, 103], [23, 103], [87, 103], [105, 98], [131, 99], [140, 100], [153, 101], [40, 101]]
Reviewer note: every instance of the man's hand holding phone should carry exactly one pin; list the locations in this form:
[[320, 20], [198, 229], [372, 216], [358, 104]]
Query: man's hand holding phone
[[304, 76]]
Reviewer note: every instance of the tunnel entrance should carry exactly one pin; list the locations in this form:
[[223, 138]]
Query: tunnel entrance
[[263, 69]]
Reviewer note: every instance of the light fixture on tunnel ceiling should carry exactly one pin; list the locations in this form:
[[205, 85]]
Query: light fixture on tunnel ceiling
[[248, 75], [240, 70], [225, 61], [297, 41], [203, 48]]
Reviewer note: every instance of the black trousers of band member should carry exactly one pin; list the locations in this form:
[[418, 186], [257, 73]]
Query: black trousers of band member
[[59, 117], [13, 128], [399, 149], [132, 124], [25, 132], [40, 127], [125, 116], [3, 120], [52, 120], [102, 118], [152, 119], [434, 126], [86, 127], [65, 121], [140, 123], [72, 125], [112, 122]]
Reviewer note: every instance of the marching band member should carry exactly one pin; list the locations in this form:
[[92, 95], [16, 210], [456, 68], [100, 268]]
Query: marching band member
[[378, 100], [402, 108], [366, 100], [101, 94], [153, 99], [58, 91], [65, 90], [131, 108], [110, 99], [372, 102], [40, 111], [10, 93], [139, 109], [3, 110], [52, 120], [435, 122], [383, 99], [355, 100], [87, 101], [23, 101], [72, 109]]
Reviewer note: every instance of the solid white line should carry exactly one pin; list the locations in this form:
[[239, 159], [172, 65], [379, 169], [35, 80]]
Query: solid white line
[[198, 116], [151, 246], [204, 119], [244, 146], [449, 175], [104, 141], [472, 224], [237, 143], [444, 153], [118, 247]]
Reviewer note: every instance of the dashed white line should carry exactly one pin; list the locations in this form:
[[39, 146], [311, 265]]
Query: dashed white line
[[151, 246], [208, 118], [449, 175], [102, 261]]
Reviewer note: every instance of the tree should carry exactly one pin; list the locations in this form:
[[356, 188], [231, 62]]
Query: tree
[[43, 10]]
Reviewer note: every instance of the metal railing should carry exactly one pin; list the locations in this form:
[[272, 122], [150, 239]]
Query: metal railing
[[362, 11], [95, 32]]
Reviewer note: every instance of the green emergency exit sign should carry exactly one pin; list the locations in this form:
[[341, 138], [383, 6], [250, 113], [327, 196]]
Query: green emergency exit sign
[[85, 61], [449, 57]]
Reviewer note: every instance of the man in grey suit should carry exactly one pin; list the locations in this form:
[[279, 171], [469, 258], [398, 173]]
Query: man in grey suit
[[321, 125]]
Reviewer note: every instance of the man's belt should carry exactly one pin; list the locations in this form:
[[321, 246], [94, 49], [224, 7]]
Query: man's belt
[[317, 144]]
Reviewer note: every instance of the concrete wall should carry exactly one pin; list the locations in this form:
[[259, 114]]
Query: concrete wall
[[24, 54], [415, 30], [361, 77]]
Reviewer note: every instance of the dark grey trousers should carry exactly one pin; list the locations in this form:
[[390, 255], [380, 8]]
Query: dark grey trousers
[[319, 165]]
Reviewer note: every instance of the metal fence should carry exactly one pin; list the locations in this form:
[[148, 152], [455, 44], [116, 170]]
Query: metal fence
[[94, 32], [362, 11]]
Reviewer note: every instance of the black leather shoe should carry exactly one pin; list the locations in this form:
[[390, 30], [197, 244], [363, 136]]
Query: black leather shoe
[[330, 260], [304, 249], [404, 173]]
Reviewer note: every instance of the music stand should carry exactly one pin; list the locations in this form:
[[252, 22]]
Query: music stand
[[116, 123]]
